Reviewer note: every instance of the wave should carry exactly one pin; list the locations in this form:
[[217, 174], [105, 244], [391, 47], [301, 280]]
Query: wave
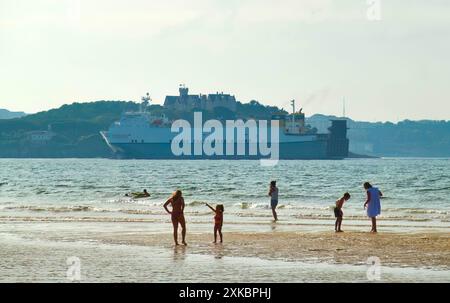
[[138, 212], [196, 203], [249, 205], [81, 208], [419, 211], [433, 189], [41, 191], [53, 209], [62, 185], [193, 204], [88, 187], [76, 219], [264, 221], [242, 210], [362, 217]]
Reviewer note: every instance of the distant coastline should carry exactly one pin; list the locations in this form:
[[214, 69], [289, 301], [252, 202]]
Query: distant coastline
[[6, 114]]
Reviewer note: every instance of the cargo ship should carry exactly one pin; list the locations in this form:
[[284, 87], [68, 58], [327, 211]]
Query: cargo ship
[[143, 135]]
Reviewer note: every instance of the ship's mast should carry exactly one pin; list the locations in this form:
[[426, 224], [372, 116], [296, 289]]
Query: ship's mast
[[145, 102], [293, 116]]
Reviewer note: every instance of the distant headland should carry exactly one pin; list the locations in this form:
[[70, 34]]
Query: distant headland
[[6, 114]]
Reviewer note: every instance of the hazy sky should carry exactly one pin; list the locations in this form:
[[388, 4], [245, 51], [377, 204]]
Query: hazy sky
[[316, 51]]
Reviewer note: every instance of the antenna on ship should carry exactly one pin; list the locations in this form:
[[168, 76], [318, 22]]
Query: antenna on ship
[[293, 115], [145, 102]]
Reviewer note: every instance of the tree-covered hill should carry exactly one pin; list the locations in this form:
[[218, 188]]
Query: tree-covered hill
[[76, 127]]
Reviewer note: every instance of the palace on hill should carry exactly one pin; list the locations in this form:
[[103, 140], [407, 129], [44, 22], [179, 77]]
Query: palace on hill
[[208, 102]]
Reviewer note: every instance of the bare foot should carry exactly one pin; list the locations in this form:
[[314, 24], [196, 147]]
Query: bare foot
[[176, 244], [184, 243]]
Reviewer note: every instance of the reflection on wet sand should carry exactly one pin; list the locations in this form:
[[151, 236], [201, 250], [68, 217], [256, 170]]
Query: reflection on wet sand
[[218, 251], [179, 253]]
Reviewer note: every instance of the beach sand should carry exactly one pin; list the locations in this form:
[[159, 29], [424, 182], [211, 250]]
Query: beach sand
[[419, 250], [141, 252]]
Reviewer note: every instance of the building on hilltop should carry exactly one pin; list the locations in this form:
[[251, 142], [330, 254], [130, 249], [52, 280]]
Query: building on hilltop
[[186, 102]]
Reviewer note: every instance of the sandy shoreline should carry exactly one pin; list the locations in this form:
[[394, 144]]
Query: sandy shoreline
[[131, 253], [429, 250]]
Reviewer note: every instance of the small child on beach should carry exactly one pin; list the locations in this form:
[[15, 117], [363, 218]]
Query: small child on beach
[[338, 213], [218, 221]]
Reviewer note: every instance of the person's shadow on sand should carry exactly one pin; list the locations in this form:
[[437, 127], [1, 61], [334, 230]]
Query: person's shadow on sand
[[273, 226], [218, 251]]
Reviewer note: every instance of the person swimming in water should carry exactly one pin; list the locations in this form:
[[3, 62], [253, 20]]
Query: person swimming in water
[[177, 215], [373, 204], [138, 195]]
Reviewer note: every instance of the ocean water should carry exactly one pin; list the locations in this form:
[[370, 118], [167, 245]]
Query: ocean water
[[416, 191]]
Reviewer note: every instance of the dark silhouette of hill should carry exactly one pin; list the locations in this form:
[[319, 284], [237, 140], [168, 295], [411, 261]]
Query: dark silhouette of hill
[[6, 114]]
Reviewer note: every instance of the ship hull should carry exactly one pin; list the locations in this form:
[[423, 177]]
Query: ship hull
[[145, 142], [309, 150]]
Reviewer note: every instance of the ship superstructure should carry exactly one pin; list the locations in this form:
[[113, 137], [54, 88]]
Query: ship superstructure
[[143, 135]]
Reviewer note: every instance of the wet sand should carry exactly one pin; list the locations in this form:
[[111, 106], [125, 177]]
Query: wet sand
[[418, 250], [139, 252]]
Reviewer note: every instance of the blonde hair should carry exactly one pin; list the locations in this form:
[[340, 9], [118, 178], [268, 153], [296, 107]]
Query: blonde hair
[[176, 195]]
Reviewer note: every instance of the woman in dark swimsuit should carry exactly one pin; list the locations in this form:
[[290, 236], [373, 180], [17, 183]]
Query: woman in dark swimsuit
[[177, 215]]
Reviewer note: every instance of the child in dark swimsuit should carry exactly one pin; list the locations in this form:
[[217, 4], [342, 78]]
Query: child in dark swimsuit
[[218, 221], [338, 213]]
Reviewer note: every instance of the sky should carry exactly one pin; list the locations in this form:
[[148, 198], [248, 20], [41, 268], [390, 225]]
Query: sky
[[389, 59]]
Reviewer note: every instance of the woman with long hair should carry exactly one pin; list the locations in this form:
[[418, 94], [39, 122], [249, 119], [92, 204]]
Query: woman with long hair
[[177, 215], [373, 204]]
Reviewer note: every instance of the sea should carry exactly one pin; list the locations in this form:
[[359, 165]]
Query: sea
[[41, 197]]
